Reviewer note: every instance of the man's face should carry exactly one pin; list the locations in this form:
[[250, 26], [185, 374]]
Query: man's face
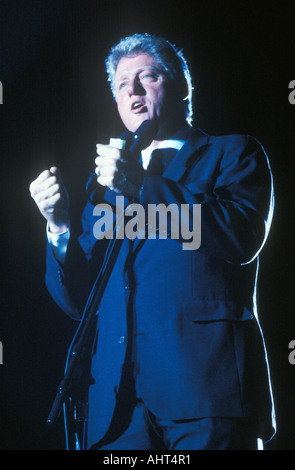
[[141, 91]]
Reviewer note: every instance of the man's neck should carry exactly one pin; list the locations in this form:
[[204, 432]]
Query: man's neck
[[166, 132]]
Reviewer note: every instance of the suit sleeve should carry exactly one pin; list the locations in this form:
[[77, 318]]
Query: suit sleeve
[[69, 283], [233, 183]]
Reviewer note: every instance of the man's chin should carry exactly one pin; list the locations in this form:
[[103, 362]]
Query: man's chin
[[140, 118]]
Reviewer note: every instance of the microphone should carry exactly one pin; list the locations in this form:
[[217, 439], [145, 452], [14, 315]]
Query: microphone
[[135, 143]]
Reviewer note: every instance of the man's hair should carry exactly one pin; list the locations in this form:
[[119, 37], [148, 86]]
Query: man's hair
[[164, 53]]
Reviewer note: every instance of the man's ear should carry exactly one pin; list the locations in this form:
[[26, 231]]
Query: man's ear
[[186, 91]]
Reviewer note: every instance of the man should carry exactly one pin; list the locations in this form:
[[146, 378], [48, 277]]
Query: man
[[178, 358]]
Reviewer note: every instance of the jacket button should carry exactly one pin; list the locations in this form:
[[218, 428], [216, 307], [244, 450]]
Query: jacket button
[[122, 339], [59, 276]]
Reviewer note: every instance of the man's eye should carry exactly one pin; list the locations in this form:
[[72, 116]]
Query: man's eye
[[122, 85], [148, 76]]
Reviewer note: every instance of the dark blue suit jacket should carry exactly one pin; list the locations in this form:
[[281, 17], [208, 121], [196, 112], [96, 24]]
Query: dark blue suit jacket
[[190, 315]]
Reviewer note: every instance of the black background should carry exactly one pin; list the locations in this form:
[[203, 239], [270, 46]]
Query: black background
[[57, 105]]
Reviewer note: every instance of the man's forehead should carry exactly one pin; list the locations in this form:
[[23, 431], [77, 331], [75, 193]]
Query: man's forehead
[[128, 65]]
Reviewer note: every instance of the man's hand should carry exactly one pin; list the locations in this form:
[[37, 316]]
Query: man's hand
[[118, 170], [51, 197]]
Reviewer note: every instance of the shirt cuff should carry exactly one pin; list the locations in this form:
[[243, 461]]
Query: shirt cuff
[[59, 243]]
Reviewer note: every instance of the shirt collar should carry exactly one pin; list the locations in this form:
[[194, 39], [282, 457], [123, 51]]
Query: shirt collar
[[169, 143]]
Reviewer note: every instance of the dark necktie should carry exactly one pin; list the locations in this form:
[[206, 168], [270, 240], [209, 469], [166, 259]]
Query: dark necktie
[[160, 160]]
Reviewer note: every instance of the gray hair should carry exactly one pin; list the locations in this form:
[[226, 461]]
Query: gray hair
[[164, 53]]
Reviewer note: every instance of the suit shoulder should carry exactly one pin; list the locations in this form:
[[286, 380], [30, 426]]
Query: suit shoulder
[[233, 145], [228, 142], [232, 141]]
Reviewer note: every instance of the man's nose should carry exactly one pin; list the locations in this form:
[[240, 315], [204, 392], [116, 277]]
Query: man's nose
[[135, 87]]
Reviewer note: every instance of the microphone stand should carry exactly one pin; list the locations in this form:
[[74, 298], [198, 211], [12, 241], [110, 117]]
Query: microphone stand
[[81, 340]]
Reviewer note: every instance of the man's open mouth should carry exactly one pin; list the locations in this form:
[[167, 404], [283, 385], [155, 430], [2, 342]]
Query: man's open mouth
[[138, 107]]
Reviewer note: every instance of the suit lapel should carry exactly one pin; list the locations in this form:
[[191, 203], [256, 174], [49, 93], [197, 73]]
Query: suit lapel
[[193, 146]]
